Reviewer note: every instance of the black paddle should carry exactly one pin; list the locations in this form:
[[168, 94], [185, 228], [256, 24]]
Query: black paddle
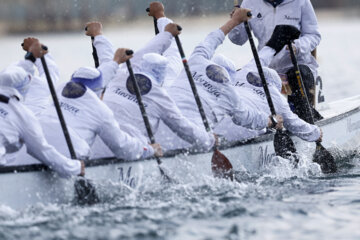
[[94, 53], [144, 115], [321, 156], [283, 144], [85, 190], [220, 164], [155, 23]]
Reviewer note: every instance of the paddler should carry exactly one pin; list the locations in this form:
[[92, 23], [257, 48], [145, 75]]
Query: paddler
[[19, 125], [151, 66], [213, 75], [299, 13], [87, 116], [247, 83]]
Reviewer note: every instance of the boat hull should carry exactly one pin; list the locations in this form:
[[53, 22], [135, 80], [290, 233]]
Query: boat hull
[[24, 186]]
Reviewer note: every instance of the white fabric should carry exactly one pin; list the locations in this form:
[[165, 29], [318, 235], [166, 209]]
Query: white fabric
[[19, 125], [218, 99], [86, 72], [175, 64], [255, 97], [16, 77], [154, 65], [87, 116], [159, 106], [38, 97], [298, 13]]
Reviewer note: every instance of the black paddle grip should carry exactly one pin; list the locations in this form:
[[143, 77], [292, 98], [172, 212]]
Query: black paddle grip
[[129, 52], [179, 28], [148, 9], [42, 46], [249, 14]]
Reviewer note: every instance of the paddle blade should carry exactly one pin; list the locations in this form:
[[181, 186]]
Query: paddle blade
[[85, 192], [285, 147], [221, 166], [165, 177], [324, 158]]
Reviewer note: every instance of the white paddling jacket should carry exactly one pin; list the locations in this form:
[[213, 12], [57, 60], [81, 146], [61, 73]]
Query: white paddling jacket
[[19, 125], [120, 97], [38, 96], [248, 84], [216, 92], [299, 13], [86, 117]]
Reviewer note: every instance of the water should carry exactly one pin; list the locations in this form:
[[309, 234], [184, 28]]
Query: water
[[279, 203]]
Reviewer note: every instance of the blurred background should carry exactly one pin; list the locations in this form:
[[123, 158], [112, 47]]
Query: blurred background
[[17, 16], [59, 24]]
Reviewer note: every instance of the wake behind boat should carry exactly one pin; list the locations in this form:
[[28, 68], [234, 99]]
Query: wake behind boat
[[25, 185]]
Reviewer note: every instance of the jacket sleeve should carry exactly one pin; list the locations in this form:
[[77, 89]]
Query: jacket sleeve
[[208, 46], [171, 115], [104, 49], [108, 71], [121, 144], [158, 44], [38, 147], [240, 113], [238, 34], [292, 122], [310, 35], [172, 53], [52, 66]]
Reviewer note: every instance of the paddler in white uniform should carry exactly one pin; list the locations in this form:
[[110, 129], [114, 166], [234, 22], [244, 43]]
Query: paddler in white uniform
[[248, 84], [150, 69], [299, 13], [19, 126], [212, 75], [87, 116]]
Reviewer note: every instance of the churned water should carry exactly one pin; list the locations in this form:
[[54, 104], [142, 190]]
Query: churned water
[[279, 203]]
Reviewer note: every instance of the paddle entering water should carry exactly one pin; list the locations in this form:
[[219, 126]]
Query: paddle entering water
[[145, 117], [321, 156], [283, 144], [84, 189], [220, 164]]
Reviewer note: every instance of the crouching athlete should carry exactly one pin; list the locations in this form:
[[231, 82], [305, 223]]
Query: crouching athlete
[[19, 125]]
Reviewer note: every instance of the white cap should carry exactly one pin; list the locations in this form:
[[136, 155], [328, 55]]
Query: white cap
[[226, 63], [154, 64], [88, 76], [15, 77]]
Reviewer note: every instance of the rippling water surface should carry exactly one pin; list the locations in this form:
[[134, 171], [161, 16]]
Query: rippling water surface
[[278, 203]]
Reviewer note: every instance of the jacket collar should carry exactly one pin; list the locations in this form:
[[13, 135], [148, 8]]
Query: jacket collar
[[11, 93], [274, 3]]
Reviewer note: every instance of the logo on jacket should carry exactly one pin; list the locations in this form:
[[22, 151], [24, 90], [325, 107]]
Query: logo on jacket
[[69, 108], [217, 74], [143, 82], [254, 79], [292, 18], [259, 16]]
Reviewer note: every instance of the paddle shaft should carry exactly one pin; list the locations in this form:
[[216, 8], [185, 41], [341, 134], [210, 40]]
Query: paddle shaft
[[261, 72], [58, 109], [192, 84], [155, 26], [94, 53], [300, 82], [302, 87], [141, 106]]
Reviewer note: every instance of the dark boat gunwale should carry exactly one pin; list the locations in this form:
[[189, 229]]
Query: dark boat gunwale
[[169, 154]]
